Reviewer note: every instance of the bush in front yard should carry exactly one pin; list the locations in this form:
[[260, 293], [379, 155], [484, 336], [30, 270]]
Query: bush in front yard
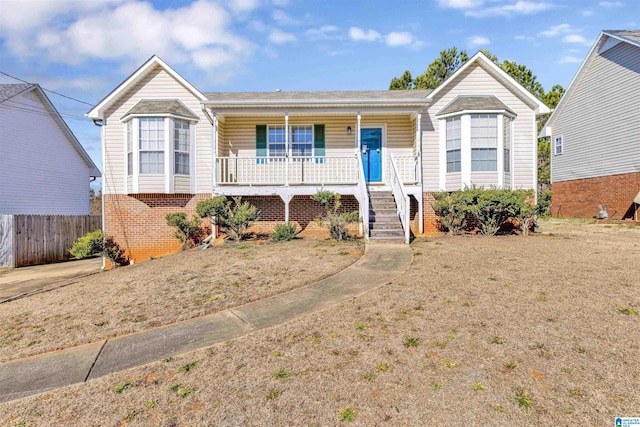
[[187, 231], [336, 222], [88, 245], [114, 253], [284, 232]]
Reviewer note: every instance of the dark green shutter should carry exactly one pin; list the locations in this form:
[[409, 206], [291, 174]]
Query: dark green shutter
[[261, 142], [318, 141]]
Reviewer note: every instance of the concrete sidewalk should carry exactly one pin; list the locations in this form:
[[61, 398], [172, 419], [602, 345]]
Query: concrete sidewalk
[[23, 281], [24, 377]]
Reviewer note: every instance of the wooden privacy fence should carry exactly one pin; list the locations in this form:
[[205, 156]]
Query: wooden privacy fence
[[40, 239]]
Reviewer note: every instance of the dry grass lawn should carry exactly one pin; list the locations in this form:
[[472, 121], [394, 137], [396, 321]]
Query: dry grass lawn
[[165, 290], [504, 331]]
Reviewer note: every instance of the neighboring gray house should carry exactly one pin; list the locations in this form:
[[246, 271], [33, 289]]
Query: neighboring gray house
[[43, 168], [595, 132]]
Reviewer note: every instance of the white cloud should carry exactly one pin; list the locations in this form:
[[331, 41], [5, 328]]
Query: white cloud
[[611, 4], [277, 36], [282, 18], [398, 38], [521, 7], [72, 31], [460, 4], [478, 41], [243, 5], [326, 32], [358, 34], [280, 3], [557, 30], [574, 38], [568, 59], [587, 12]]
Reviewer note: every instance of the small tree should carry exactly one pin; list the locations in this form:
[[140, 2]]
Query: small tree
[[336, 222], [526, 210], [186, 230], [215, 208]]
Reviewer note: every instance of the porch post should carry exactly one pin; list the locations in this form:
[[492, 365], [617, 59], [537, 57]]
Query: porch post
[[286, 198], [358, 132], [286, 160], [419, 169], [214, 151]]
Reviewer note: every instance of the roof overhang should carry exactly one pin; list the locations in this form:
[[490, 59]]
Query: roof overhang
[[97, 112], [507, 113]]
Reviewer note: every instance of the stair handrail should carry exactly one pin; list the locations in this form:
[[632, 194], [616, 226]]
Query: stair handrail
[[402, 199], [364, 196]]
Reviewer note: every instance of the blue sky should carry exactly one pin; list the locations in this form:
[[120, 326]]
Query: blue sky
[[84, 49]]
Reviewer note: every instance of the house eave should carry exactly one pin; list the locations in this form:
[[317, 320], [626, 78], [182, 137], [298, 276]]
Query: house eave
[[463, 112]]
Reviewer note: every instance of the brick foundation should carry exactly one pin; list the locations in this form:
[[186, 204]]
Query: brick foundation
[[137, 222], [431, 219], [580, 198]]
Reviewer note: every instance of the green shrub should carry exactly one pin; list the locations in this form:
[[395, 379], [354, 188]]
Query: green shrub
[[239, 218], [544, 203], [493, 207], [88, 245], [336, 222], [284, 232], [526, 213], [187, 231], [452, 210]]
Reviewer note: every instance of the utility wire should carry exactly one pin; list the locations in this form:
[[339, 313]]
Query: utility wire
[[32, 109], [49, 90]]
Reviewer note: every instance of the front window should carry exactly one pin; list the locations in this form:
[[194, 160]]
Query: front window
[[181, 147], [151, 145], [484, 143], [276, 143], [129, 149], [507, 144], [453, 144], [302, 140], [557, 145]]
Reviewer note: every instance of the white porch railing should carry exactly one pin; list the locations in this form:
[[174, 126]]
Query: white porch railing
[[287, 170], [407, 167], [402, 199], [363, 194]]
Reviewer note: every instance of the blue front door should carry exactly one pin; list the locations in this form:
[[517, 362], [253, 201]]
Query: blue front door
[[371, 147]]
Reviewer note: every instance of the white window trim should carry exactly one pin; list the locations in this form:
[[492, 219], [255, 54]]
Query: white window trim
[[555, 145], [169, 151], [465, 151], [180, 151], [288, 149]]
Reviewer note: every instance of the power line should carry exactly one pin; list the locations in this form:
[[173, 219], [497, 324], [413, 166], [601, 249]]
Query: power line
[[21, 106], [49, 90]]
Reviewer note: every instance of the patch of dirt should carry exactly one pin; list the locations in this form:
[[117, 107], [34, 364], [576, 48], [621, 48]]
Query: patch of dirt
[[501, 331], [165, 290]]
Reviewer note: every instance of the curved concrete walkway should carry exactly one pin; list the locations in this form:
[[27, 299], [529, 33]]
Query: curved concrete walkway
[[379, 264]]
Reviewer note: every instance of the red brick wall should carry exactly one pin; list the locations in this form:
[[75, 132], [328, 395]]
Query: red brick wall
[[431, 219], [580, 198], [137, 222]]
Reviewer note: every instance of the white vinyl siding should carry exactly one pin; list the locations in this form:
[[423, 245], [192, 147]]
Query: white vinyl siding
[[484, 143], [600, 121], [158, 84], [476, 80], [41, 172]]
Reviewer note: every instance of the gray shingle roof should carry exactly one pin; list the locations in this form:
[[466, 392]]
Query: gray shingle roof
[[632, 35], [364, 95], [474, 103], [10, 90], [161, 106]]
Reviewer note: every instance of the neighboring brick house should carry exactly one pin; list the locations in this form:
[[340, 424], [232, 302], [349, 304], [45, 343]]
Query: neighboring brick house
[[167, 146], [595, 132]]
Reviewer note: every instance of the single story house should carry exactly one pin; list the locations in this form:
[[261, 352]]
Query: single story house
[[595, 133], [167, 145]]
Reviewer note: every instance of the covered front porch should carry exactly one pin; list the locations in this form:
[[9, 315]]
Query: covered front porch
[[287, 151]]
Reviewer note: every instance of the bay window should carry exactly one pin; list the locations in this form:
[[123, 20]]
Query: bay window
[[484, 143], [181, 147], [453, 145], [151, 145]]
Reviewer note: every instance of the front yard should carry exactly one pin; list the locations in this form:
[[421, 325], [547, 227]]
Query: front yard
[[479, 331]]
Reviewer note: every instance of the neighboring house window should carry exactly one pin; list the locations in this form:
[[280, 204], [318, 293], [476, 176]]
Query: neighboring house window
[[507, 144], [151, 145], [181, 147], [557, 145], [301, 140], [276, 143], [484, 142], [453, 144], [129, 148]]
